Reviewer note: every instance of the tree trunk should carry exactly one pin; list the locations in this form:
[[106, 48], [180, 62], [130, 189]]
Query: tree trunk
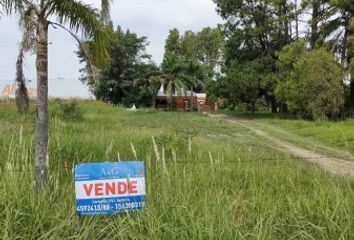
[[314, 23], [345, 58], [169, 103], [192, 104], [351, 96], [296, 20], [253, 107], [283, 108], [41, 163], [154, 101], [274, 105], [286, 23], [22, 99]]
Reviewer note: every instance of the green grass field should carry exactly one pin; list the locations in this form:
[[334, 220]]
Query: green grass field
[[206, 178]]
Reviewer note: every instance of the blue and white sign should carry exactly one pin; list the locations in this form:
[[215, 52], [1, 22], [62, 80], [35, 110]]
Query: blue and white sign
[[109, 188]]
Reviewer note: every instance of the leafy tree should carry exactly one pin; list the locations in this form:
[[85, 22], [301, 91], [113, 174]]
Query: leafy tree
[[315, 89], [151, 85], [205, 47], [287, 58], [189, 46], [145, 85], [129, 63], [179, 51], [173, 74], [173, 42], [239, 84], [254, 28], [192, 59], [58, 13], [211, 48], [255, 31]]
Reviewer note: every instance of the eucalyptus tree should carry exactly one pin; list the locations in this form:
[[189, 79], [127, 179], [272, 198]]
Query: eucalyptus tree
[[73, 17]]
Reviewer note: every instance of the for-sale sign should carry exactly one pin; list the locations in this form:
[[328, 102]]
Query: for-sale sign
[[109, 188]]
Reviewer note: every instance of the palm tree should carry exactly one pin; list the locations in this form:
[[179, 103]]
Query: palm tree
[[153, 83], [174, 83], [197, 74], [174, 78], [72, 16]]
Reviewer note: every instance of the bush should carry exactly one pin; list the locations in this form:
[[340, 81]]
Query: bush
[[69, 110], [315, 88]]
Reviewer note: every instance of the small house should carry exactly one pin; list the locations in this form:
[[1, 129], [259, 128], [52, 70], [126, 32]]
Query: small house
[[183, 101]]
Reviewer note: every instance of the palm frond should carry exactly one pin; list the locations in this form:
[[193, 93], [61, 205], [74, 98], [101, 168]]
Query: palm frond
[[331, 27], [76, 14], [82, 17], [105, 11], [2, 7], [84, 51], [27, 24], [11, 6]]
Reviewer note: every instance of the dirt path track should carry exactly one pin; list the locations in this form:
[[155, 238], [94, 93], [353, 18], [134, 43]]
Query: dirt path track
[[331, 164]]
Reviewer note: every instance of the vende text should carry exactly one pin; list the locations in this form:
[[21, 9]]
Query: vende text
[[110, 188]]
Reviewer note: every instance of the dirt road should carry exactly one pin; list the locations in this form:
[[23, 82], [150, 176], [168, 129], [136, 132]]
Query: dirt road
[[333, 165]]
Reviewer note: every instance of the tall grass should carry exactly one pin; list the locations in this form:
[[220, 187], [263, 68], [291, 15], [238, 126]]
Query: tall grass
[[206, 179]]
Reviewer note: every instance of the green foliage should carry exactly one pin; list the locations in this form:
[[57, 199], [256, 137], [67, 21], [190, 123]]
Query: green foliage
[[242, 83], [70, 111], [198, 55], [289, 55], [211, 47], [255, 31], [128, 64], [173, 44], [287, 58], [174, 76], [315, 89], [192, 60]]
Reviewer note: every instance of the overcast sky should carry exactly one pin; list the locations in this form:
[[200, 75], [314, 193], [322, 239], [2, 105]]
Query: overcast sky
[[151, 18]]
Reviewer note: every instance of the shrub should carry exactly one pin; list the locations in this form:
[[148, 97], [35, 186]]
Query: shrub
[[315, 88], [69, 110]]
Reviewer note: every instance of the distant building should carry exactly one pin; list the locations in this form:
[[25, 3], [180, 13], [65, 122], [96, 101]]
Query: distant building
[[58, 88], [9, 91], [183, 101]]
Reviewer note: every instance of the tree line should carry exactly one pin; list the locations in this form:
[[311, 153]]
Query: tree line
[[191, 61], [285, 56], [296, 57]]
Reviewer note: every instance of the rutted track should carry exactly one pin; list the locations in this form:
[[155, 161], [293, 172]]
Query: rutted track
[[333, 165]]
